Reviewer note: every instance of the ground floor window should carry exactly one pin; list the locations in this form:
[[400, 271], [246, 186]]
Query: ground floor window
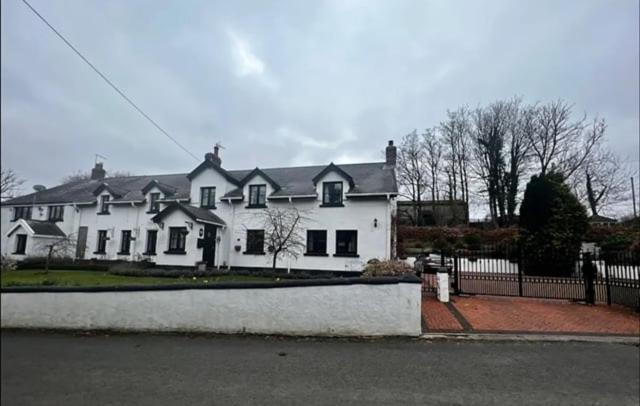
[[317, 242], [346, 242], [152, 238], [101, 246], [21, 244], [177, 239], [255, 242], [125, 242]]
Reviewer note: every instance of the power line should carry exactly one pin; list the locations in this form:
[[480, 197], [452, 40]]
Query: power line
[[124, 96]]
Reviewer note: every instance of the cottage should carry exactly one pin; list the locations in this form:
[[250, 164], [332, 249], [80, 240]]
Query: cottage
[[209, 215]]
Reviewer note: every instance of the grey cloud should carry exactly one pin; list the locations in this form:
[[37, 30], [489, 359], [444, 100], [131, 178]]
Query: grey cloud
[[327, 81]]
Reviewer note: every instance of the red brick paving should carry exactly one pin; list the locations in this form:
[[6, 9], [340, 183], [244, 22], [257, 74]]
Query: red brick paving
[[502, 314], [437, 316]]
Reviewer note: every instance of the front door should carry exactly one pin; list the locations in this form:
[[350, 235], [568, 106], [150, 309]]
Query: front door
[[209, 245]]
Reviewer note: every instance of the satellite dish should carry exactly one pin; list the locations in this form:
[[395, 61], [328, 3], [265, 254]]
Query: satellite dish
[[39, 188]]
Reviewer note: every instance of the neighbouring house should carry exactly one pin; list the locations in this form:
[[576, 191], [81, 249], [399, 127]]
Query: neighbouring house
[[598, 220], [433, 213], [209, 215]]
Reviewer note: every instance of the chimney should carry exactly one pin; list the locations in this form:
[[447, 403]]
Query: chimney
[[98, 172], [391, 153], [215, 157]]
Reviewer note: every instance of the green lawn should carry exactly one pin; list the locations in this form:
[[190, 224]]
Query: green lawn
[[97, 278]]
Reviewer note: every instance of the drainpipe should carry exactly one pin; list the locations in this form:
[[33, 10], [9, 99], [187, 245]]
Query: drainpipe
[[135, 243]]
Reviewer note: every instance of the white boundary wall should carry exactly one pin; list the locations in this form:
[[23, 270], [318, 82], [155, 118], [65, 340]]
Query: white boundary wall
[[326, 310]]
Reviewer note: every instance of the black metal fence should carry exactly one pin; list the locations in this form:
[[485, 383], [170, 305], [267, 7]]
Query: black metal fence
[[593, 276]]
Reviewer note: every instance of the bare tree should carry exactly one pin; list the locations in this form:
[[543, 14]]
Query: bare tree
[[283, 232], [433, 154], [456, 131], [412, 172], [86, 175], [491, 125], [10, 183], [602, 181], [560, 143], [58, 248], [521, 125]]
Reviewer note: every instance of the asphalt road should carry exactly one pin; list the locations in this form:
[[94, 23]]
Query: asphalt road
[[59, 369]]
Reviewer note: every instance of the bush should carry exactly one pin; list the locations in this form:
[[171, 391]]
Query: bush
[[454, 237], [8, 264], [386, 268], [65, 263], [553, 225]]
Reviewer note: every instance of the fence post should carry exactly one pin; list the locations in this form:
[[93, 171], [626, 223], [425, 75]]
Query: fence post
[[519, 253], [456, 273], [588, 272], [606, 279]]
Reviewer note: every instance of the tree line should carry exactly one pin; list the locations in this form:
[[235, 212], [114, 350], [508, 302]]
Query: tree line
[[487, 152]]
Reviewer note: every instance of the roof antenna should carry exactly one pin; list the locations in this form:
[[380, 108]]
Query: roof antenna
[[219, 145], [99, 156]]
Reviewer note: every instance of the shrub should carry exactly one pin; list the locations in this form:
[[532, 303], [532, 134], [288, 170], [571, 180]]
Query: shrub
[[8, 264], [386, 268], [553, 224]]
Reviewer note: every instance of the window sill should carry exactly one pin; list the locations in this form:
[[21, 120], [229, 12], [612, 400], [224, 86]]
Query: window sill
[[315, 254], [174, 252], [257, 206], [208, 207], [347, 255], [123, 253], [149, 254], [153, 212], [100, 213], [100, 252], [332, 205], [18, 253], [54, 220], [253, 253]]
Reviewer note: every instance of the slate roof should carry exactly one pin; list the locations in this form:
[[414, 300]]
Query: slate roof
[[40, 227], [367, 177], [195, 213], [45, 228], [601, 219]]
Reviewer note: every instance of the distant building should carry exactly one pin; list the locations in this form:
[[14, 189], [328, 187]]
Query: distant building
[[598, 220], [433, 213]]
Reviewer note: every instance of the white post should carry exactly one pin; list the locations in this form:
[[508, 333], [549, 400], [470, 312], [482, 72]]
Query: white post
[[443, 285]]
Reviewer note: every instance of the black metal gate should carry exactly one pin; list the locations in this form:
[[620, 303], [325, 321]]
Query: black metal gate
[[611, 277]]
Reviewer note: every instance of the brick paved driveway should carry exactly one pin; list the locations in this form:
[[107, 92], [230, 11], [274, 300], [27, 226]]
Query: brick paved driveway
[[508, 314]]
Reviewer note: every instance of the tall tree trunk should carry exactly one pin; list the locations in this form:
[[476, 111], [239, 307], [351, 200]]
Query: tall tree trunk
[[591, 196]]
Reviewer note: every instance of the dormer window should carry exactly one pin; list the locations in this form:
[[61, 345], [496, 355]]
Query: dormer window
[[104, 204], [208, 197], [332, 193], [154, 205], [257, 195]]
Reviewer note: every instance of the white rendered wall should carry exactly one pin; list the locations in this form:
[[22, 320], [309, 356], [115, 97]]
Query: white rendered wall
[[373, 242], [342, 310]]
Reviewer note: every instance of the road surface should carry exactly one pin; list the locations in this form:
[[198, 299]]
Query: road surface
[[66, 369]]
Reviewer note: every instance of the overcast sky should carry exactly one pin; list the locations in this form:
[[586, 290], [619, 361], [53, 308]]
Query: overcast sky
[[294, 82]]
